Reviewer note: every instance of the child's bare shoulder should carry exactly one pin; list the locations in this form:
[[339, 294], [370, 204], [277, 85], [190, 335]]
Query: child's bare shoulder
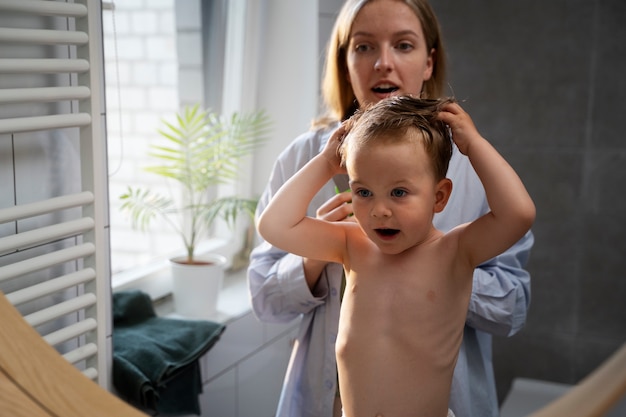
[[451, 244]]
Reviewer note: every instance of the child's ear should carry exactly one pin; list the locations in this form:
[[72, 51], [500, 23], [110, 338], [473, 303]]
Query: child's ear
[[443, 189]]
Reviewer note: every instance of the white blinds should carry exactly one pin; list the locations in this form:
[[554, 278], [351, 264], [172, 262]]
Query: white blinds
[[53, 239]]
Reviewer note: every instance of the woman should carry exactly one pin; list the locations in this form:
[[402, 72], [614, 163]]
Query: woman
[[380, 48]]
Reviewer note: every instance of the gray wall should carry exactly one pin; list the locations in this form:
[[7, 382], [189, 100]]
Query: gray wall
[[544, 81]]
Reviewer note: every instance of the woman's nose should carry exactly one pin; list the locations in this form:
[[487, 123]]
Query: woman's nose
[[384, 61]]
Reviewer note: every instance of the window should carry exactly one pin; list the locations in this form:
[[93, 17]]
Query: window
[[160, 56]]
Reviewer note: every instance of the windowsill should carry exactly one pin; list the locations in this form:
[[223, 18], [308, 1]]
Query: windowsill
[[155, 280], [233, 300]]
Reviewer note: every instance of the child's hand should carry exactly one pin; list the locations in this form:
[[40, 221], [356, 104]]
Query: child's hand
[[461, 125], [331, 150]]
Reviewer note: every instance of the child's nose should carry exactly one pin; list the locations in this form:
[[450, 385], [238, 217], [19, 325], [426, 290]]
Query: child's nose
[[380, 209]]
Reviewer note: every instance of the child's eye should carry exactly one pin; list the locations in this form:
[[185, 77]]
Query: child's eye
[[363, 193], [398, 192]]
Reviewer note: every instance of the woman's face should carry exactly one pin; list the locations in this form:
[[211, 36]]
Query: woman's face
[[387, 53]]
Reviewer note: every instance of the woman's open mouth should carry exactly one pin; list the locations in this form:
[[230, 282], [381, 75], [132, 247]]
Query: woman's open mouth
[[384, 89]]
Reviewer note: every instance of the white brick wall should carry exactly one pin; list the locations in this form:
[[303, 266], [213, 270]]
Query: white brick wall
[[141, 88]]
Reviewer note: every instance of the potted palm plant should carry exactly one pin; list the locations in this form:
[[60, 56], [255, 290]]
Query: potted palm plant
[[200, 151]]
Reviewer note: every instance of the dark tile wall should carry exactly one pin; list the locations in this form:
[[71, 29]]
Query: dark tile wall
[[545, 82]]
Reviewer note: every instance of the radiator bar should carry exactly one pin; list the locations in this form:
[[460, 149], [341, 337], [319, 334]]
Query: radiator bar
[[91, 373], [47, 8], [45, 261], [50, 287], [61, 309], [18, 95], [37, 208], [71, 331], [55, 121], [42, 66], [81, 353], [43, 36], [45, 234]]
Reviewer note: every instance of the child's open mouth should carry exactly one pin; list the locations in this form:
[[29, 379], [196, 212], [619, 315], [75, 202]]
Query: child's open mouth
[[386, 233]]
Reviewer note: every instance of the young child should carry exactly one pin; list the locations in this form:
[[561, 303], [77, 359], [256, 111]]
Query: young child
[[407, 283]]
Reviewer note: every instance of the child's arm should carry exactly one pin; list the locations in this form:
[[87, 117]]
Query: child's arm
[[284, 222], [512, 209]]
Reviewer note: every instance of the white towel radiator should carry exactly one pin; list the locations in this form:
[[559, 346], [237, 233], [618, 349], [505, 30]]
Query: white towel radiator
[[54, 264]]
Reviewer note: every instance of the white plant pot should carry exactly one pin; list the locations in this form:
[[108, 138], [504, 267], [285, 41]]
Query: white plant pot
[[196, 288]]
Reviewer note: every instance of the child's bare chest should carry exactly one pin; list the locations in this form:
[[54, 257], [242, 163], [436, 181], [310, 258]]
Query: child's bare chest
[[424, 286], [428, 267]]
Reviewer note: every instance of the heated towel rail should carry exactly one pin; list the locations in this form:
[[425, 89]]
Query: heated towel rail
[[53, 243]]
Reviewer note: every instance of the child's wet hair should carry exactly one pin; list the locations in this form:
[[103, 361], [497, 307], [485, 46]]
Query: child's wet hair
[[393, 117]]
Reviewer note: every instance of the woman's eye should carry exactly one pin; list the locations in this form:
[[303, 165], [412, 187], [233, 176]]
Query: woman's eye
[[398, 193], [362, 48], [405, 46]]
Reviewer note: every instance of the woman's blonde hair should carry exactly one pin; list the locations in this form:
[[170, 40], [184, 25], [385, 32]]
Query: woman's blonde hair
[[339, 98]]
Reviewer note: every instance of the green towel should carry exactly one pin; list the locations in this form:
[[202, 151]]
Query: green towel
[[155, 359]]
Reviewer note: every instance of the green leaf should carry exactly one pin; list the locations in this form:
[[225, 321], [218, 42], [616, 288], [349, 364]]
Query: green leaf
[[143, 206], [199, 150]]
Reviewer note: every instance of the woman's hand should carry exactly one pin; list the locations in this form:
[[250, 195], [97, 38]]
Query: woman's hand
[[337, 208]]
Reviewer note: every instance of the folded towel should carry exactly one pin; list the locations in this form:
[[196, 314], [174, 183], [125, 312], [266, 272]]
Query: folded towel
[[155, 359]]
